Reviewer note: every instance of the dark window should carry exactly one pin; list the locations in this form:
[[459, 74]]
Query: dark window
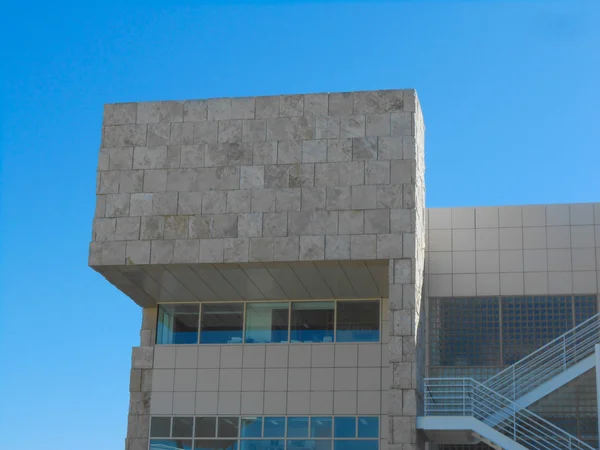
[[228, 427], [368, 427], [206, 426], [265, 444], [170, 444], [356, 445], [320, 427], [297, 427], [251, 427], [215, 444], [312, 322], [345, 427], [183, 426], [160, 427], [274, 427], [357, 321], [177, 324], [222, 323]]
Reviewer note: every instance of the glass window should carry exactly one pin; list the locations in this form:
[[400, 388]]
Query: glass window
[[297, 427], [265, 444], [228, 427], [356, 445], [320, 427], [177, 324], [274, 427], [160, 427], [183, 427], [221, 323], [215, 444], [309, 445], [266, 322], [312, 322], [206, 426], [368, 427], [345, 427], [357, 321], [170, 444], [251, 427]]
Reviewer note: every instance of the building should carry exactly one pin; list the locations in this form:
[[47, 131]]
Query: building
[[297, 294]]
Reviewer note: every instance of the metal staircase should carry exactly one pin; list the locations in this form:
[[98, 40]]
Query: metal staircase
[[497, 410]]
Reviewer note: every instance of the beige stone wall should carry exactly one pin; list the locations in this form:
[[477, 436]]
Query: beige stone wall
[[287, 178]]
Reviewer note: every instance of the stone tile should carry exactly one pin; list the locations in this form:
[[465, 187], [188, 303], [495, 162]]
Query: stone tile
[[250, 225], [353, 126], [276, 176], [291, 105], [364, 148], [190, 203], [252, 177], [339, 198], [152, 227], [242, 108], [162, 252], [316, 104], [214, 202], [206, 132], [402, 124], [264, 153], [192, 155], [261, 249], [199, 227], [289, 152], [339, 150], [176, 227], [155, 181], [363, 247], [364, 197], [194, 110], [219, 109], [327, 127], [313, 198], [314, 151], [124, 135], [119, 113], [254, 130], [312, 248], [377, 221], [182, 134], [211, 251], [267, 107], [274, 224], [230, 131], [238, 201], [302, 175], [337, 247], [351, 222], [341, 103], [236, 250], [128, 229], [288, 200], [378, 125], [377, 172], [158, 134], [262, 200], [390, 148], [224, 225], [117, 205]]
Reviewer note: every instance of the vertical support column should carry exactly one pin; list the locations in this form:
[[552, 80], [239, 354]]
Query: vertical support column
[[597, 347], [140, 385], [407, 337]]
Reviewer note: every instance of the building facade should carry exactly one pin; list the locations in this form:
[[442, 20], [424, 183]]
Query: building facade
[[297, 294]]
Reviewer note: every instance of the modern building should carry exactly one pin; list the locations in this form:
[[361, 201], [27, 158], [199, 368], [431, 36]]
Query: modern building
[[297, 294]]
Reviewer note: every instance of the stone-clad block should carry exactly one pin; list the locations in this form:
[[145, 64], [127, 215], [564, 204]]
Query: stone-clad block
[[120, 113], [124, 135]]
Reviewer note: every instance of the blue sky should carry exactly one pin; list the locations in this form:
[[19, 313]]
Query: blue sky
[[510, 96]]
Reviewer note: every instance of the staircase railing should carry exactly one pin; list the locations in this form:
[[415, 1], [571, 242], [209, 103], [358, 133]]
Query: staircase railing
[[469, 398], [546, 362]]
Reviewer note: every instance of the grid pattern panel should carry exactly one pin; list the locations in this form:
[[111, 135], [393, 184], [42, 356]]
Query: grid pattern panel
[[573, 407], [585, 307], [530, 322], [465, 332]]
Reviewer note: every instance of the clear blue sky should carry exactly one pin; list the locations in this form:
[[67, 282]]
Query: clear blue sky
[[510, 96]]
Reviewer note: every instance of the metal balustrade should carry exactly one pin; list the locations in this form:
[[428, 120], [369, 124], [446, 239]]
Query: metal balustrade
[[469, 398], [548, 361]]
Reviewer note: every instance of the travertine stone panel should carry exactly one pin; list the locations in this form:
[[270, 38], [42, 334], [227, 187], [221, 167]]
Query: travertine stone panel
[[290, 178]]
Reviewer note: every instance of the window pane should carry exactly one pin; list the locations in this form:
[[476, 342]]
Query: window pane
[[221, 323], [215, 444], [265, 444], [345, 427], [368, 427], [320, 427], [309, 445], [228, 427], [160, 427], [356, 445], [297, 427], [274, 427], [206, 426], [267, 322], [170, 444], [312, 322], [251, 427], [357, 321], [177, 324], [183, 427]]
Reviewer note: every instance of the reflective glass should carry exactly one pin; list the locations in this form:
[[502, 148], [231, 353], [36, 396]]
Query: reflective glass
[[228, 427], [215, 444], [160, 427], [267, 322], [170, 444], [324, 444], [274, 427], [297, 427], [357, 321], [183, 427], [177, 324], [206, 427], [368, 427], [312, 322], [221, 323], [320, 427], [262, 444], [356, 445], [345, 427], [251, 427]]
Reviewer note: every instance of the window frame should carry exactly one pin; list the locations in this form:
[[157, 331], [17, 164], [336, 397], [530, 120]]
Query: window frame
[[380, 300]]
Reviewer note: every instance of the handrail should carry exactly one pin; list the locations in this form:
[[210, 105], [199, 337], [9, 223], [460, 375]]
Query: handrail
[[468, 397], [554, 357]]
